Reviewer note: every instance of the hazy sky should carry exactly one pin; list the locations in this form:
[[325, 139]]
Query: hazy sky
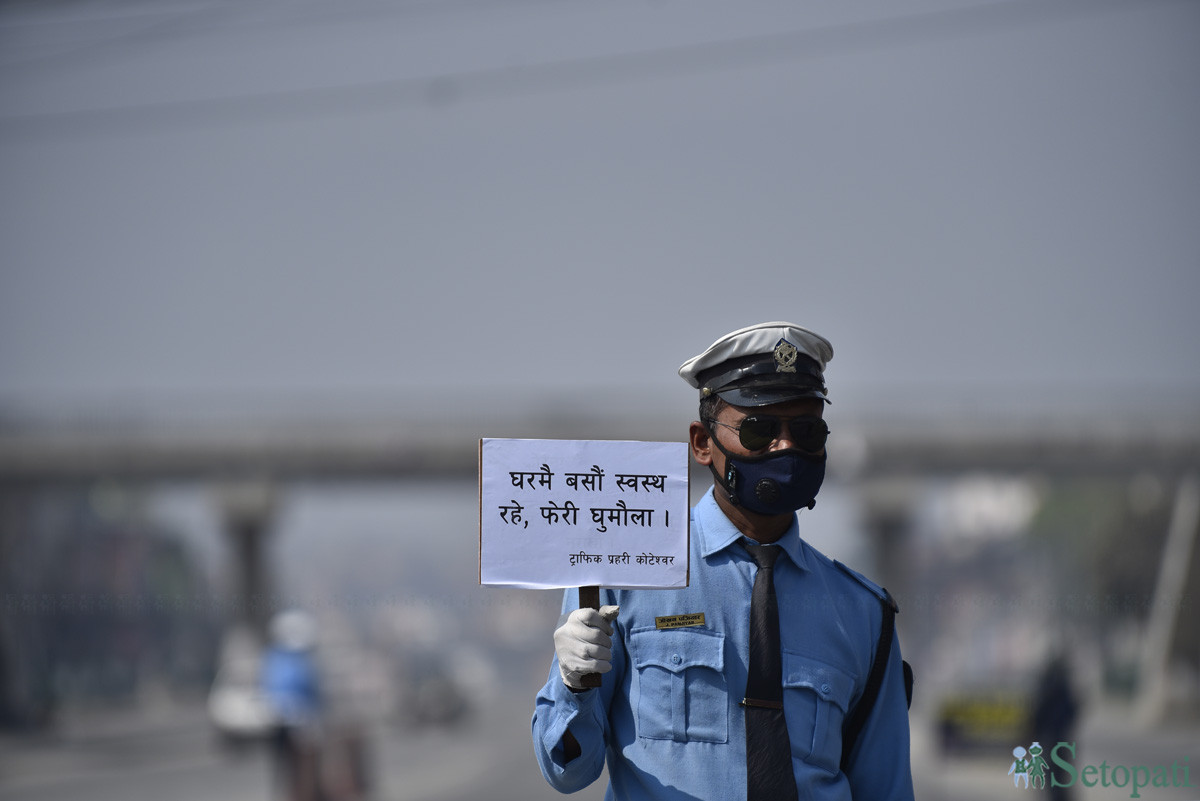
[[239, 202]]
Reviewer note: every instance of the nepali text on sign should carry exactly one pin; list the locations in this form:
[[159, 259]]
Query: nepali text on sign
[[574, 513]]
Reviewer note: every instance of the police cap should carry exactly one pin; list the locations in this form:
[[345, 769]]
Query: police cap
[[762, 364]]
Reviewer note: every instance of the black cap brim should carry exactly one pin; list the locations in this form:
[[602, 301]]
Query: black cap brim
[[767, 395]]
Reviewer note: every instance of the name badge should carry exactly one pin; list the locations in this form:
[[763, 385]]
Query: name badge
[[679, 621]]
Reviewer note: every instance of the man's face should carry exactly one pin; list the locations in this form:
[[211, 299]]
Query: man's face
[[729, 419]]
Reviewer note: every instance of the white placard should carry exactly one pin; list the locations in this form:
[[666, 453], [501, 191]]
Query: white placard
[[577, 513]]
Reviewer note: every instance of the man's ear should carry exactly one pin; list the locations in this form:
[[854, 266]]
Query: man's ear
[[701, 443]]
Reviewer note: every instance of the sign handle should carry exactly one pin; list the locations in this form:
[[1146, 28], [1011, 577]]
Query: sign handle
[[589, 598]]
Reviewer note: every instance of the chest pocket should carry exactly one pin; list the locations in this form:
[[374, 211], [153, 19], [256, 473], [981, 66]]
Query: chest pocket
[[816, 698], [682, 693]]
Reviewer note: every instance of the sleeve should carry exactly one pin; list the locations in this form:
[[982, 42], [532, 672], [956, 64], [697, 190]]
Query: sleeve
[[879, 767], [557, 710]]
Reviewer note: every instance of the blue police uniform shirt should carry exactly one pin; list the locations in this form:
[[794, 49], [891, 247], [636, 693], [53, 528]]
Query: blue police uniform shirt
[[667, 716]]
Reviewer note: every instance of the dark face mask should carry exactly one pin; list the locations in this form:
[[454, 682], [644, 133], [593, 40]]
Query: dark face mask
[[775, 483]]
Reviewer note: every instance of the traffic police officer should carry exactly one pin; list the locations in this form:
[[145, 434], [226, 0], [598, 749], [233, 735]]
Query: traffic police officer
[[774, 673]]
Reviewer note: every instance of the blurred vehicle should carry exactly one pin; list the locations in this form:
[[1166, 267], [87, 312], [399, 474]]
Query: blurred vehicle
[[982, 720], [428, 693], [237, 705]]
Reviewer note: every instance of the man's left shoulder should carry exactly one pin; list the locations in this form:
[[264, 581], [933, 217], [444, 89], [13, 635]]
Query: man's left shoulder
[[879, 592], [851, 579]]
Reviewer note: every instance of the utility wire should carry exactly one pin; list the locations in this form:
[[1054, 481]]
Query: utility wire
[[223, 17], [566, 75]]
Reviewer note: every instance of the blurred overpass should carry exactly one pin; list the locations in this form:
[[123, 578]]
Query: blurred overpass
[[883, 458], [383, 448]]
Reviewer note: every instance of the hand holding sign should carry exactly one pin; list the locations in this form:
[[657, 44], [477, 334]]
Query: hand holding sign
[[581, 513], [583, 643]]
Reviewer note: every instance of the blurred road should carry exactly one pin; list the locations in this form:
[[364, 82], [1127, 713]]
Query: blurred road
[[172, 754]]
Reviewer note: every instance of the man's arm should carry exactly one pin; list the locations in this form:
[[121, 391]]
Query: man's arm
[[570, 727], [879, 766], [569, 733]]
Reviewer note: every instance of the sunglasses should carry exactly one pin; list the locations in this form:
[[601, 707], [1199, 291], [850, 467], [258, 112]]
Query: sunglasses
[[759, 430]]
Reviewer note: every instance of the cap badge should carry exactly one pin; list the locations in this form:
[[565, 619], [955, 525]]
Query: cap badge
[[785, 356]]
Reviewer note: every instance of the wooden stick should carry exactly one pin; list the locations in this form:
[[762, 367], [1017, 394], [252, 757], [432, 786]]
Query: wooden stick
[[589, 598]]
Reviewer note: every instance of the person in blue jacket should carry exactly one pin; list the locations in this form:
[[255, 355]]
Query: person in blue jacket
[[291, 683], [681, 712]]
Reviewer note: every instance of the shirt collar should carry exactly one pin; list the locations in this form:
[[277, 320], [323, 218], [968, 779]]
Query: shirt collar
[[717, 532]]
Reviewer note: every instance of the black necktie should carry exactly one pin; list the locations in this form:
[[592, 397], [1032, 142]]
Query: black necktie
[[769, 774]]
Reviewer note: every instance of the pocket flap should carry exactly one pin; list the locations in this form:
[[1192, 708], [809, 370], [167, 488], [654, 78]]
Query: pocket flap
[[677, 649], [828, 682]]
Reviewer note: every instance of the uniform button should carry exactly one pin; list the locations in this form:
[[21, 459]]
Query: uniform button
[[825, 688], [676, 658]]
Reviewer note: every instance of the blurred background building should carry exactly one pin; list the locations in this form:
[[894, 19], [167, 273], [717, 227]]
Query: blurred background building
[[269, 270]]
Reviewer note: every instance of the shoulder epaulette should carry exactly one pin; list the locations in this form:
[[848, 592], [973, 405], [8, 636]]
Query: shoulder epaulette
[[879, 592]]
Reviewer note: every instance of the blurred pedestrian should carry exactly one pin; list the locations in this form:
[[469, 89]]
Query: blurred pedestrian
[[1055, 710], [291, 683], [350, 696]]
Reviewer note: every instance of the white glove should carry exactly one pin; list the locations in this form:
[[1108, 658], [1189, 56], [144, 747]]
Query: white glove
[[583, 643]]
